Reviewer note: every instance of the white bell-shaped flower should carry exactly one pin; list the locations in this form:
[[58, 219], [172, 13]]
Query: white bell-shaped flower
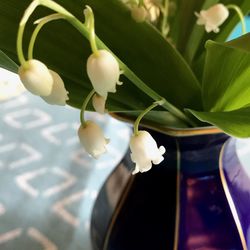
[[139, 13], [92, 138], [58, 95], [98, 103], [144, 151], [36, 77], [153, 9], [103, 71], [213, 17]]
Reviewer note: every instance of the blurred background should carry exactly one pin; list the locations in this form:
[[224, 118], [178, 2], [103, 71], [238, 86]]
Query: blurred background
[[48, 183]]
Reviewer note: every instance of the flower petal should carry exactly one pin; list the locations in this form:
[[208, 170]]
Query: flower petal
[[58, 95], [144, 151], [36, 77], [92, 138], [103, 71]]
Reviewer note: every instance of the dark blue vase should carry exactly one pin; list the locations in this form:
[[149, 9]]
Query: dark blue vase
[[198, 198]]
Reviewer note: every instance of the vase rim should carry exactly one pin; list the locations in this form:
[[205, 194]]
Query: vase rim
[[178, 132]]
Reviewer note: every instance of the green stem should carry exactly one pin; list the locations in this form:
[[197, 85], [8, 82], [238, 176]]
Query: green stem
[[241, 16], [143, 113], [127, 71], [84, 106], [164, 22], [141, 3], [90, 23], [21, 28], [155, 96], [41, 22]]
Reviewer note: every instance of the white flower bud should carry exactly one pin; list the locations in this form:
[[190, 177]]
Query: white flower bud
[[92, 138], [58, 95], [153, 9], [36, 77], [98, 103], [139, 13], [144, 151], [213, 17], [103, 71]]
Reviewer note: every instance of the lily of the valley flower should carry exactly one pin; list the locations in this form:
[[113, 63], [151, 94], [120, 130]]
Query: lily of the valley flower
[[153, 8], [139, 13], [213, 17], [58, 95], [92, 138], [36, 77], [103, 71], [144, 151], [98, 103]]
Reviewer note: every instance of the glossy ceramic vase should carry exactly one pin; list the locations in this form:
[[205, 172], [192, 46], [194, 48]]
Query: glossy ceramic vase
[[198, 198]]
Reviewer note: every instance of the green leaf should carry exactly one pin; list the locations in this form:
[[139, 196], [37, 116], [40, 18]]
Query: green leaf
[[154, 118], [226, 75], [235, 123], [7, 63], [241, 43], [139, 46]]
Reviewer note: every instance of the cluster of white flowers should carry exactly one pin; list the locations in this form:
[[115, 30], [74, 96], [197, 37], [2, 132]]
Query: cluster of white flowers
[[104, 72], [150, 10]]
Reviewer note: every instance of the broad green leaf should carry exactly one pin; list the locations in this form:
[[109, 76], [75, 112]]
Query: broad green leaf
[[155, 118], [140, 46], [226, 75], [7, 63], [241, 43], [235, 123]]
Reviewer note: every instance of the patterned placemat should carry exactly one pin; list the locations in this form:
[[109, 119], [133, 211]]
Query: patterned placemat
[[48, 183], [10, 85]]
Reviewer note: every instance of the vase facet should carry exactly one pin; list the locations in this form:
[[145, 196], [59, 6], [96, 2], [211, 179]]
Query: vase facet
[[179, 204]]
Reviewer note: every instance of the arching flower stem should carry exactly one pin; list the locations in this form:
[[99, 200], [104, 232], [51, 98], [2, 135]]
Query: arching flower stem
[[21, 28], [141, 3], [84, 106], [164, 21], [241, 16], [90, 24], [143, 113], [33, 5], [40, 23]]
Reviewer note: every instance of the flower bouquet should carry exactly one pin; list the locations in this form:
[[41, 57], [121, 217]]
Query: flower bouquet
[[170, 56], [164, 65], [136, 56]]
